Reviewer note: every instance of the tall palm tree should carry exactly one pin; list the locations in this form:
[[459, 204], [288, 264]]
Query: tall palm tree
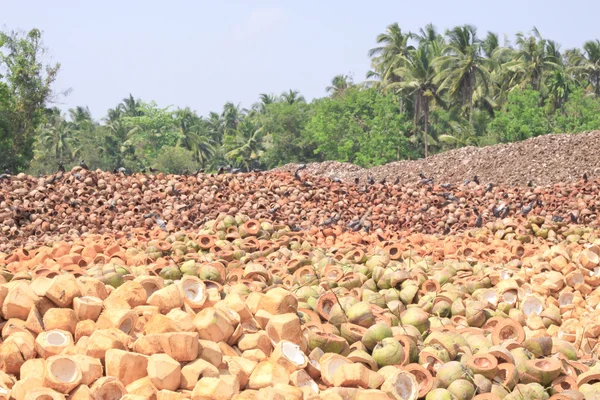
[[393, 46], [587, 64], [462, 67], [533, 60], [131, 106], [418, 80], [59, 139], [339, 84], [192, 135], [292, 96], [81, 117], [428, 35], [246, 146], [263, 102]]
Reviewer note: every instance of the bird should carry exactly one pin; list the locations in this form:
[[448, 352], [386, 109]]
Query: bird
[[152, 170], [143, 170], [479, 220], [356, 181], [236, 170], [504, 212], [527, 209], [199, 171], [370, 180], [5, 177], [78, 176], [476, 179], [466, 182], [422, 175], [275, 208], [296, 172], [331, 220], [585, 177], [256, 170], [83, 165], [530, 184], [488, 188], [175, 191], [220, 170], [122, 170], [397, 180], [335, 179], [498, 211], [557, 218], [6, 170], [426, 181], [450, 197], [383, 180], [161, 224], [574, 217], [61, 167], [446, 186]]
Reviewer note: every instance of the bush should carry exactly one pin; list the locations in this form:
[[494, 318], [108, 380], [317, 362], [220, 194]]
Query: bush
[[173, 160]]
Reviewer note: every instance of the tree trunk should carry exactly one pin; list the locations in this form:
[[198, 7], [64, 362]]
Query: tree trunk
[[471, 90], [426, 115]]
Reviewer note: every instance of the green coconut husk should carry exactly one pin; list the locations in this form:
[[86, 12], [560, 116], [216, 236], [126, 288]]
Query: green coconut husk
[[388, 351], [375, 334], [462, 389]]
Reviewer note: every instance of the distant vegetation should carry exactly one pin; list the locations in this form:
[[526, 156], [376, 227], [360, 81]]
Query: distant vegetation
[[426, 92]]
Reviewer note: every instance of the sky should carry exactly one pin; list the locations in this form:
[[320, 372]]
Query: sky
[[201, 54]]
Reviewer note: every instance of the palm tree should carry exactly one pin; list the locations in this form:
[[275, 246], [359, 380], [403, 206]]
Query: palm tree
[[245, 147], [462, 67], [192, 135], [131, 106], [393, 46], [428, 35], [292, 96], [263, 102], [59, 139], [81, 117], [339, 84], [587, 65], [417, 79], [533, 59]]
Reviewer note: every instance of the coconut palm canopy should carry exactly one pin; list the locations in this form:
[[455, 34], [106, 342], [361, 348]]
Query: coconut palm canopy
[[427, 91]]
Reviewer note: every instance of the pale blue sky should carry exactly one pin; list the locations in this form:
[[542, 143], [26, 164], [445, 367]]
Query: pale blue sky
[[203, 53]]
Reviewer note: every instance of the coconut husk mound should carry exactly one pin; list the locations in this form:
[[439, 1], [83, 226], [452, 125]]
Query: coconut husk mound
[[542, 160]]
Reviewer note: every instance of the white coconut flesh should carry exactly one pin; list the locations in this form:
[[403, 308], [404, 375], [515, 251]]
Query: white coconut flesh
[[64, 370], [56, 338], [565, 299], [405, 386], [532, 306], [509, 297], [126, 325], [292, 352], [577, 277], [505, 274], [490, 296], [335, 364], [193, 290], [327, 306]]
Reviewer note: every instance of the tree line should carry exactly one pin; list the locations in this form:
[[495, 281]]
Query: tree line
[[425, 92]]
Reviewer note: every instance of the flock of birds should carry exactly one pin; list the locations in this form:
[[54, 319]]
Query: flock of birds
[[500, 211]]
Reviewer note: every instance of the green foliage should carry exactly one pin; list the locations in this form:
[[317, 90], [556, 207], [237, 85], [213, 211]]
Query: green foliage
[[426, 92], [580, 113], [521, 118], [362, 127], [174, 160], [29, 85]]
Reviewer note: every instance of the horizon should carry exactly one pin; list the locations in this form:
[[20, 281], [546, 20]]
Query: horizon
[[214, 53]]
